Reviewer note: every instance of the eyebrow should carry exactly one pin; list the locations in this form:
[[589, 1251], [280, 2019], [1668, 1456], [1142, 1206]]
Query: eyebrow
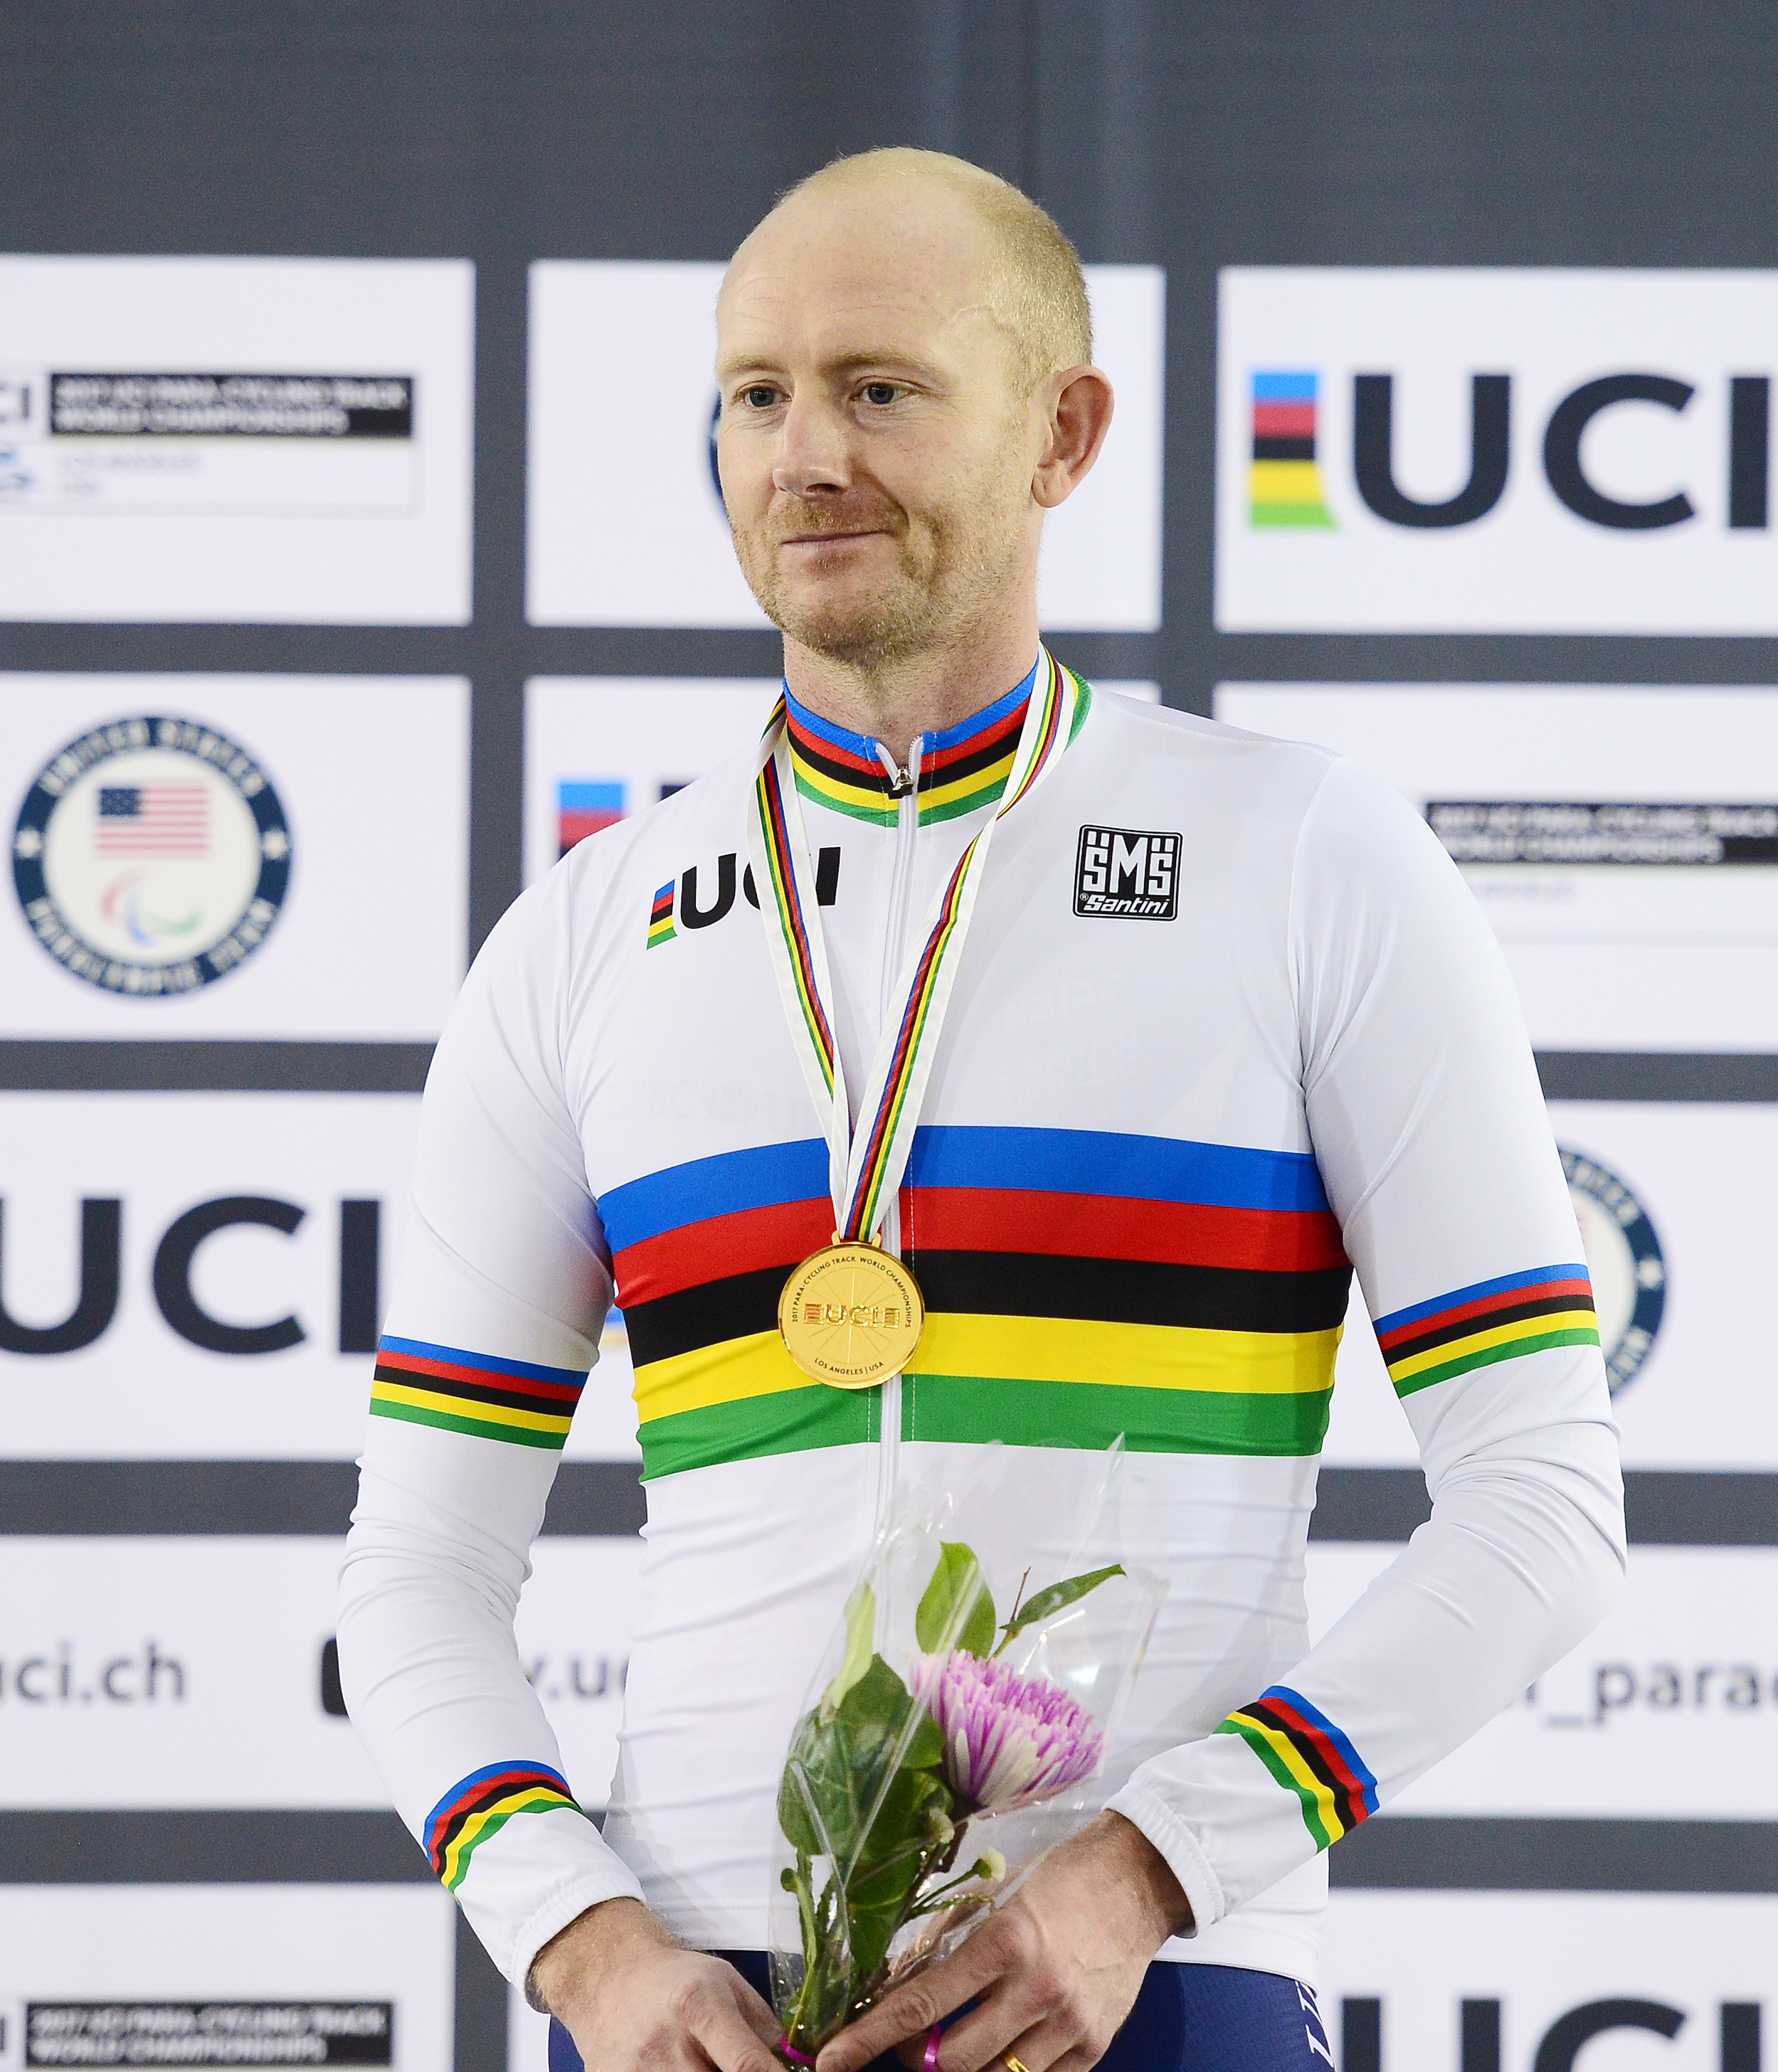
[[882, 355]]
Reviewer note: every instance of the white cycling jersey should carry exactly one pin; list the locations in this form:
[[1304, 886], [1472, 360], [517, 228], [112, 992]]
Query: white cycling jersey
[[1227, 1019]]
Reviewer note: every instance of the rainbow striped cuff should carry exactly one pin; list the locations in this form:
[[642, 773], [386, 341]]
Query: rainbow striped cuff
[[482, 1804], [1488, 1320], [1307, 1754], [474, 1393]]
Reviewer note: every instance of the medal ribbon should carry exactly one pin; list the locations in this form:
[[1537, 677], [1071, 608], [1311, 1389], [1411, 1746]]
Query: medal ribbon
[[866, 1164]]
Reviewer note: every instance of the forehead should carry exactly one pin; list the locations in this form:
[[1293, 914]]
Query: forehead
[[875, 272]]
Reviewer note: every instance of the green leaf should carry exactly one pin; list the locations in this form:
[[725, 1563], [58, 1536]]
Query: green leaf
[[1056, 1595], [861, 1619], [956, 1610]]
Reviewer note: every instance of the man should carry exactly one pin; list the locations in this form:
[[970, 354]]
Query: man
[[1217, 1017]]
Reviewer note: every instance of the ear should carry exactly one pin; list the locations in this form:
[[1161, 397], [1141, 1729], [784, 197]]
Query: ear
[[1078, 405]]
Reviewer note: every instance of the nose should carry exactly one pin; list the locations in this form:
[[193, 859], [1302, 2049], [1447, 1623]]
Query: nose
[[812, 461]]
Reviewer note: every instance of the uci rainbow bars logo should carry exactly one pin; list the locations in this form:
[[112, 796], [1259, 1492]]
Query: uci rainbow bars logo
[[1284, 481]]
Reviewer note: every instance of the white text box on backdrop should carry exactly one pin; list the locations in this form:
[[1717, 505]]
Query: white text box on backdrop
[[1541, 1957], [239, 1952], [1676, 952], [1691, 1232], [1669, 1709], [598, 749], [188, 1672], [167, 1372], [626, 525], [1616, 481], [249, 440], [133, 908]]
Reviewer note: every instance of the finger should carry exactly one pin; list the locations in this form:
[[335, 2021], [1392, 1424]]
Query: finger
[[1008, 2019], [915, 2008], [731, 2043], [754, 2011]]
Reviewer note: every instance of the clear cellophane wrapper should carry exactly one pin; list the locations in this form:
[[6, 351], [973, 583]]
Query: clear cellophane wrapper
[[959, 1723]]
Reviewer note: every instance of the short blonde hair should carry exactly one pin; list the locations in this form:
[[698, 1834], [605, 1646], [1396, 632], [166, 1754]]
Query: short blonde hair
[[1042, 293]]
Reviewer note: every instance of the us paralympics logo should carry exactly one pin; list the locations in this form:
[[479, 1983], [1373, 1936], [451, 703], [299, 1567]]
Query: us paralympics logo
[[1624, 1256], [151, 857]]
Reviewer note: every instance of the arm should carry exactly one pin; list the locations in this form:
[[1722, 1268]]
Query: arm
[[498, 1305]]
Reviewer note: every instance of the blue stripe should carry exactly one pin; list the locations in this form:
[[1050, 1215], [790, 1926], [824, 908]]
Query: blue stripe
[[1280, 387], [456, 1356], [1093, 1162], [481, 1777], [862, 744], [1475, 1292], [591, 793], [1354, 1761], [760, 1178]]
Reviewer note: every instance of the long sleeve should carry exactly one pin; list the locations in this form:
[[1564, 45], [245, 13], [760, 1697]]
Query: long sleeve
[[494, 1325], [1431, 1133]]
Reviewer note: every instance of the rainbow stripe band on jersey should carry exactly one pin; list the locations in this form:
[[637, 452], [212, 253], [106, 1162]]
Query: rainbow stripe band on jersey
[[481, 1804], [1490, 1320], [661, 927], [1309, 1755], [1080, 1285], [484, 1398], [961, 769]]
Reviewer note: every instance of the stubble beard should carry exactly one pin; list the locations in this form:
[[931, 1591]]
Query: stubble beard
[[928, 600]]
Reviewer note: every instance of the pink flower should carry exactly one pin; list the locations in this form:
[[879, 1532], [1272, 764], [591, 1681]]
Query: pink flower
[[1007, 1737]]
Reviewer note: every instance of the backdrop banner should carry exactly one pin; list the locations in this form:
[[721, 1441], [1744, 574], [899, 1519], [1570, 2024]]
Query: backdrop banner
[[1622, 840], [661, 554], [226, 1975], [1495, 450], [224, 855], [259, 440]]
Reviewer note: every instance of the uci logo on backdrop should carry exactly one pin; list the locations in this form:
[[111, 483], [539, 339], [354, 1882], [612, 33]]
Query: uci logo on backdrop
[[1486, 450]]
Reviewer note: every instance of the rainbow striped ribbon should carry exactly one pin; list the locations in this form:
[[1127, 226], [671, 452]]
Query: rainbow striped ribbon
[[866, 1164]]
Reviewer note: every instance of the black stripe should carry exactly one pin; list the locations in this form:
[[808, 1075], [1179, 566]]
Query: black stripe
[[1132, 1291], [1268, 445], [1351, 1810], [1444, 1334], [490, 1794], [694, 1318], [810, 751], [473, 1391], [987, 757]]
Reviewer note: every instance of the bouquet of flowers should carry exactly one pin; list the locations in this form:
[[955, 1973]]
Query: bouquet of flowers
[[943, 1751]]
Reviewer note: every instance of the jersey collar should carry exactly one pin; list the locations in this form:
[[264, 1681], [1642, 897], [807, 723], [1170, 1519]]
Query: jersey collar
[[961, 768]]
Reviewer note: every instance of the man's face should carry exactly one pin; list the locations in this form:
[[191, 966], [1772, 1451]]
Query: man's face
[[876, 461]]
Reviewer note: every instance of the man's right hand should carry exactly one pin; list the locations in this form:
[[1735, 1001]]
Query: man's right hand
[[635, 2000]]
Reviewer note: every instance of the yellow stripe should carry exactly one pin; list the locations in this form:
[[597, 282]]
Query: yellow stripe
[[960, 788], [1285, 481], [1502, 1334], [530, 1799], [459, 1406], [731, 1371], [1287, 1752], [1128, 1356], [1017, 1349], [859, 792]]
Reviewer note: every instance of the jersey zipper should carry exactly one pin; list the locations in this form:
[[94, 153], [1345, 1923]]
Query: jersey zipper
[[905, 784]]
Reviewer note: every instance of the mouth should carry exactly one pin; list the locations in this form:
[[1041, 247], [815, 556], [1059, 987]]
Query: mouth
[[832, 539]]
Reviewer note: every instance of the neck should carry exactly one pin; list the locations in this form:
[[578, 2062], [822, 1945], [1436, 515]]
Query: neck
[[922, 693]]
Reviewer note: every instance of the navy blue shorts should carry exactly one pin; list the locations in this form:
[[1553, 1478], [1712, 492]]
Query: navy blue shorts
[[1187, 2018]]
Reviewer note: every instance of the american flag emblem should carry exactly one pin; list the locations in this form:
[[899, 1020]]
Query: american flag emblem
[[153, 819]]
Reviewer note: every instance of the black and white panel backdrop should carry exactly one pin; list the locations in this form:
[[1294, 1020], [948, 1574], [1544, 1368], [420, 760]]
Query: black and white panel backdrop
[[360, 551]]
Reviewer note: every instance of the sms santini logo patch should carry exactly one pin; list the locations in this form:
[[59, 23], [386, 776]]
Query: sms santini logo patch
[[1127, 874]]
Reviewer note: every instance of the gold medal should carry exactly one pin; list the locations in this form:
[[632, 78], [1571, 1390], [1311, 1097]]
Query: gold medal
[[851, 1315]]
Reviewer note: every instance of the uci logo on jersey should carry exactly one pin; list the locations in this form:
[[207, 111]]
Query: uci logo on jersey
[[679, 899], [1127, 874]]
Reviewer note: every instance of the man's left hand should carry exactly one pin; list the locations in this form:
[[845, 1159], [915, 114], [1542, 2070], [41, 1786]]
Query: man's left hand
[[1053, 1974]]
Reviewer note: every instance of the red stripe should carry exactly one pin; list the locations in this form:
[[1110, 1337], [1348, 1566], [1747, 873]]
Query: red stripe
[[817, 747], [1118, 1226], [1007, 731], [747, 1241], [1284, 421], [1293, 1719], [488, 1786], [545, 1392], [1508, 1299]]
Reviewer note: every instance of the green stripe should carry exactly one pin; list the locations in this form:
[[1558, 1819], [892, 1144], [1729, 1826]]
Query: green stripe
[[1586, 1334], [1315, 514], [881, 816], [971, 1409], [514, 1435], [1083, 704], [1274, 1763], [794, 1420]]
